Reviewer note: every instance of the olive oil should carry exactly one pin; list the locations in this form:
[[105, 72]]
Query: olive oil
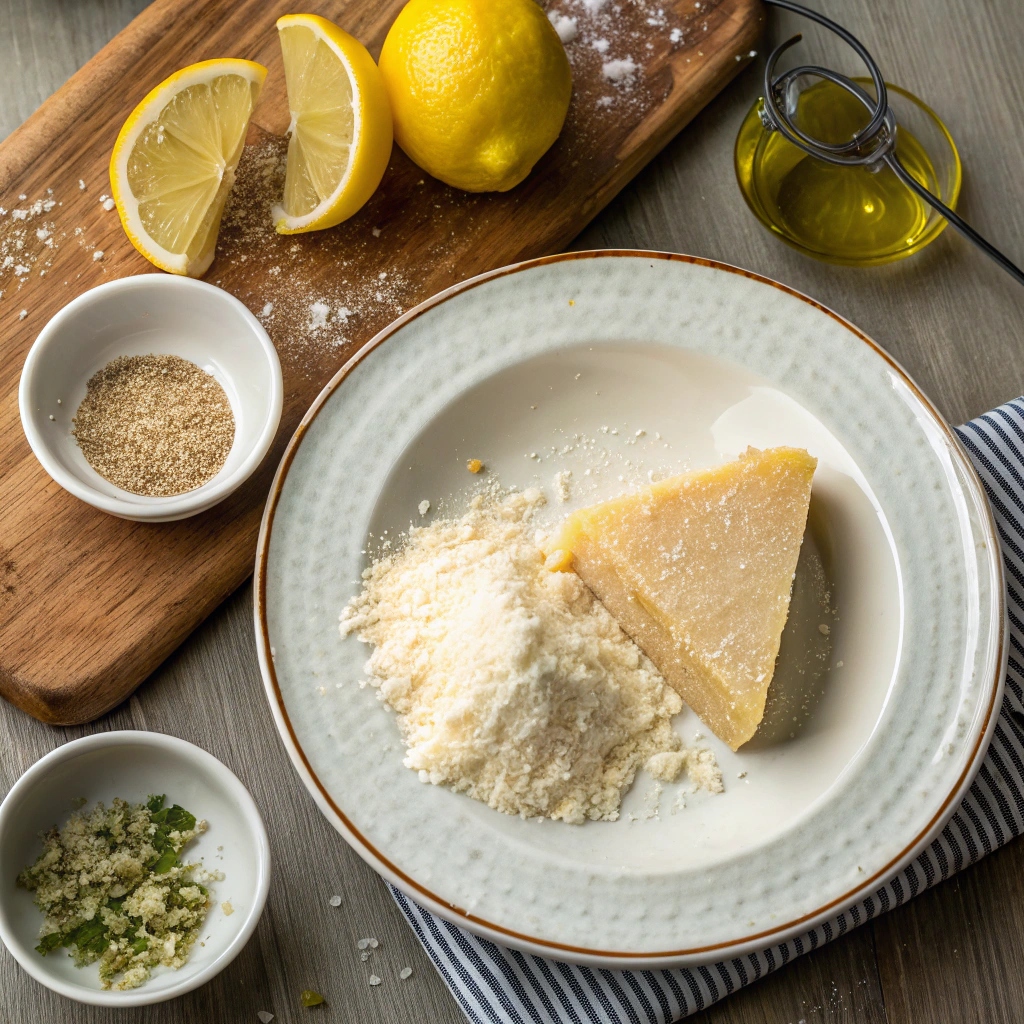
[[859, 215]]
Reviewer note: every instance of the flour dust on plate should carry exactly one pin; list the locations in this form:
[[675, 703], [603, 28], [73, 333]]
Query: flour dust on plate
[[585, 377]]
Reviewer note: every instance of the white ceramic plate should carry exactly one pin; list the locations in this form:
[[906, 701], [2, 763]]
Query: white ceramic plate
[[558, 364]]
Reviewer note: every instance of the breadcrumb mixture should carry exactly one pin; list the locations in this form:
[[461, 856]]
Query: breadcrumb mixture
[[112, 889], [511, 683]]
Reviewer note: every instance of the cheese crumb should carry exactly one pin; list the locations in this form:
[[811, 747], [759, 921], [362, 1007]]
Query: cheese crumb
[[667, 765], [474, 465], [424, 507], [512, 684], [563, 484], [227, 908]]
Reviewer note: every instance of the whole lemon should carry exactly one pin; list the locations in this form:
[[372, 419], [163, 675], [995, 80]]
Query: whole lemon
[[479, 89]]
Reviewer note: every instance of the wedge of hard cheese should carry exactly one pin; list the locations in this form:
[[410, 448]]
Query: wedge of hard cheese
[[698, 569]]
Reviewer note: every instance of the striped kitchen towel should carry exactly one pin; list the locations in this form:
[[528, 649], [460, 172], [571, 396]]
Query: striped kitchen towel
[[496, 985]]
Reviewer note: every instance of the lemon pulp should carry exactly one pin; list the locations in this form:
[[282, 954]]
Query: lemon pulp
[[340, 132], [174, 161], [320, 96]]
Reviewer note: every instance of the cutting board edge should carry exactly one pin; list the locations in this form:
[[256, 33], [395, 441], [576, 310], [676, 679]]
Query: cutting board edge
[[52, 703], [87, 85]]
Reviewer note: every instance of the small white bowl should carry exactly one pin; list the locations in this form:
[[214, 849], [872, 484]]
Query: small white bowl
[[134, 765], [151, 314]]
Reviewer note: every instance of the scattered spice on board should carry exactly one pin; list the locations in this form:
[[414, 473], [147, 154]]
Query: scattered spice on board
[[155, 425], [112, 888]]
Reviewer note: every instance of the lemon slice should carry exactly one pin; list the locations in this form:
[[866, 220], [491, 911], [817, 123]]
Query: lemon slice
[[340, 128], [174, 161]]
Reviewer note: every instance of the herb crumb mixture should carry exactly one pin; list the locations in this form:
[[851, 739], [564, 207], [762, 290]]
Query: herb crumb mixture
[[112, 889], [155, 425]]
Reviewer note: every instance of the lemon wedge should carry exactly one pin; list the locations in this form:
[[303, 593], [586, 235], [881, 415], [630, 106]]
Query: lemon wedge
[[340, 124], [174, 161]]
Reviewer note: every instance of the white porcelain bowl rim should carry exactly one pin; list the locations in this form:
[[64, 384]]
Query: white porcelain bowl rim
[[36, 966], [176, 505]]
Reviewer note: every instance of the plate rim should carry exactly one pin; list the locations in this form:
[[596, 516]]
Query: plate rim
[[544, 947]]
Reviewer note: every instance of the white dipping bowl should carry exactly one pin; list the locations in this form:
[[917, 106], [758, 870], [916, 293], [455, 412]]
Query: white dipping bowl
[[152, 314], [134, 765]]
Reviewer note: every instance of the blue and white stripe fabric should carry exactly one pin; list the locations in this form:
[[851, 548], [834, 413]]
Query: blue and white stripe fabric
[[496, 985]]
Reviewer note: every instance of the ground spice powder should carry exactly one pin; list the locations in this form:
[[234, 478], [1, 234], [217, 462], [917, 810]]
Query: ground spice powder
[[154, 425]]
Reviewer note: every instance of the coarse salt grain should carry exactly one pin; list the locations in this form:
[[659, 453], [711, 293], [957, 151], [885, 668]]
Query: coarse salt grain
[[23, 314], [424, 507], [601, 45], [335, 901], [108, 203], [405, 972], [374, 980], [619, 70], [362, 943], [97, 254], [81, 184], [265, 1016], [565, 26], [318, 313]]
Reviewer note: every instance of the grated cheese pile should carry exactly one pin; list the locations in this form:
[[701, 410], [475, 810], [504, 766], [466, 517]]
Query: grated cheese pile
[[512, 684]]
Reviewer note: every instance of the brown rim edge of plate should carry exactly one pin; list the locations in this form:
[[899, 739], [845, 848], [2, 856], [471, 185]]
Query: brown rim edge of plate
[[372, 855]]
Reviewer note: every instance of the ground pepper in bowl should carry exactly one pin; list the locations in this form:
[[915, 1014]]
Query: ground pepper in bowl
[[155, 425]]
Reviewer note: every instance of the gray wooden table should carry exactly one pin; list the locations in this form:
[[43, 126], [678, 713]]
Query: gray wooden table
[[954, 954]]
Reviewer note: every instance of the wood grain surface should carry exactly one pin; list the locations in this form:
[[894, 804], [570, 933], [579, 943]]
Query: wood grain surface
[[953, 955], [90, 604]]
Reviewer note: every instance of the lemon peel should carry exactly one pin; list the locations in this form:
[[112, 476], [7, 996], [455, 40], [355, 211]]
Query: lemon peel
[[479, 89]]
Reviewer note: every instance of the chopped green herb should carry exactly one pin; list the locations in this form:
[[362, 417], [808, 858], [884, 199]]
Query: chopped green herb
[[113, 889], [48, 943], [167, 860]]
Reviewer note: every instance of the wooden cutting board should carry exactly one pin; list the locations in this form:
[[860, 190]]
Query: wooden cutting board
[[91, 604]]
